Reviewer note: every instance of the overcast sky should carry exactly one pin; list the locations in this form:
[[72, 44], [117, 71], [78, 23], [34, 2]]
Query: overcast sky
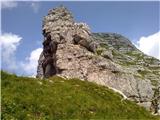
[[21, 23]]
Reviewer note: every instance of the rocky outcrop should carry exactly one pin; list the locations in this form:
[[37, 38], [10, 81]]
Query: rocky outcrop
[[107, 59], [62, 29]]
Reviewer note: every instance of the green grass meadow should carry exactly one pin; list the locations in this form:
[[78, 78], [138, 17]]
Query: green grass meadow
[[24, 98]]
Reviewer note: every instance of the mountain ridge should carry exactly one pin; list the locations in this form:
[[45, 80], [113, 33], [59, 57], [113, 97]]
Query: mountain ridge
[[107, 59]]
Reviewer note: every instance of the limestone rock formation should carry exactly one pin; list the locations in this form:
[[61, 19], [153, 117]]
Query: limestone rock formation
[[107, 59]]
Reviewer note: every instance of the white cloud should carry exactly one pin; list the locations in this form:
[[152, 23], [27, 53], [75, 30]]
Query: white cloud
[[30, 66], [150, 45], [35, 6], [8, 4], [9, 43]]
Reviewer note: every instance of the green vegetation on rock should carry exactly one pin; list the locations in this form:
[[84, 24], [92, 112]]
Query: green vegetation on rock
[[99, 51], [57, 98]]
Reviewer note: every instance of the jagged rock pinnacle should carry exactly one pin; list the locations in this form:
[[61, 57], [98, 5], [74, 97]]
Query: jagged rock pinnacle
[[60, 23], [60, 27], [59, 16]]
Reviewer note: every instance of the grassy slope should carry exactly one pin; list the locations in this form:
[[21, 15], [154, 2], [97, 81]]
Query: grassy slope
[[26, 98]]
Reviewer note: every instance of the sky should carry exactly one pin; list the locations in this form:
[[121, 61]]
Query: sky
[[21, 27]]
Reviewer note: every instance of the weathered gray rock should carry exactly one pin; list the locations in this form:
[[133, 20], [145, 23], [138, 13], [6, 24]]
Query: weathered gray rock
[[107, 54], [144, 89], [147, 105], [107, 59], [39, 67]]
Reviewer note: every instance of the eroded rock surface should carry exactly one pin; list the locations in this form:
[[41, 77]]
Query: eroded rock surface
[[107, 59]]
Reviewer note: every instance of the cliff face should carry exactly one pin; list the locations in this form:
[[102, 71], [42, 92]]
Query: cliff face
[[109, 59]]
